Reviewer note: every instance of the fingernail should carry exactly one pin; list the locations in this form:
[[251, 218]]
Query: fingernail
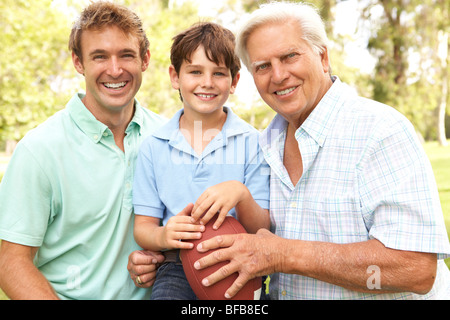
[[197, 265], [199, 247], [205, 282], [227, 296]]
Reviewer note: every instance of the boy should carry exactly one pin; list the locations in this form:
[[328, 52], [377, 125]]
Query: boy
[[204, 154]]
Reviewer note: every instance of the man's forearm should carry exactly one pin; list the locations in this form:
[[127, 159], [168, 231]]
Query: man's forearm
[[351, 265], [19, 278]]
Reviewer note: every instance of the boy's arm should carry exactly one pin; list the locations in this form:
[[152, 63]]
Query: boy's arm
[[150, 235], [221, 198], [146, 232], [250, 214]]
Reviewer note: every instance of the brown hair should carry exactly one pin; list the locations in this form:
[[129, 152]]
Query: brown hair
[[101, 14], [218, 42]]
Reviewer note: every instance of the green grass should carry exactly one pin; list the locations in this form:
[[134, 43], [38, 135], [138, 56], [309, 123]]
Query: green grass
[[440, 160]]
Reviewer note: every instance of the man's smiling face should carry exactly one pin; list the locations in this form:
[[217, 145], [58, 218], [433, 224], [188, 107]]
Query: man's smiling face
[[112, 68], [290, 77]]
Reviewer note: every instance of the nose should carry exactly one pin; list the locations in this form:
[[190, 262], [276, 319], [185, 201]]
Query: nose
[[279, 72], [207, 81], [114, 67]]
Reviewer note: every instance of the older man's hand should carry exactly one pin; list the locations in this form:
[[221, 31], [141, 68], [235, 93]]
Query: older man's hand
[[251, 255]]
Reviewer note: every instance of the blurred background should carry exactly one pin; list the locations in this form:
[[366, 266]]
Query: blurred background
[[393, 51]]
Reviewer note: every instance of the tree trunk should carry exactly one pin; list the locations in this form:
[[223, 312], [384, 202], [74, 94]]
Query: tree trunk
[[443, 55]]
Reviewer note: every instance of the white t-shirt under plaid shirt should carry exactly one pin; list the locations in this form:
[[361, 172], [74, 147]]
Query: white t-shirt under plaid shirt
[[365, 176]]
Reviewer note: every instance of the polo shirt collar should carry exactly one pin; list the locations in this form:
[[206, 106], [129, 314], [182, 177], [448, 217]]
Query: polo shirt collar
[[93, 128], [230, 128], [171, 132]]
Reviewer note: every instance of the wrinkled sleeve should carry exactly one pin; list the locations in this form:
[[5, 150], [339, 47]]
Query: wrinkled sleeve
[[398, 193], [257, 173], [25, 200], [146, 200]]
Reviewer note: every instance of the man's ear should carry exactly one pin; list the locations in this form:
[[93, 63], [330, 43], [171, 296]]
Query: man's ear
[[77, 63], [325, 60], [146, 60]]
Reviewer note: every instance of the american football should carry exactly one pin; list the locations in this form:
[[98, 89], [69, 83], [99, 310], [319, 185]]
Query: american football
[[252, 289]]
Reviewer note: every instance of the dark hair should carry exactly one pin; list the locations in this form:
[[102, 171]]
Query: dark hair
[[219, 44], [100, 14]]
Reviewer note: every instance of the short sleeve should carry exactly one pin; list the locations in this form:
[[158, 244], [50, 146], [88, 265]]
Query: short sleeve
[[25, 200], [257, 173], [399, 197], [146, 200]]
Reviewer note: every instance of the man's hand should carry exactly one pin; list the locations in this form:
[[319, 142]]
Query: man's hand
[[251, 255], [142, 266]]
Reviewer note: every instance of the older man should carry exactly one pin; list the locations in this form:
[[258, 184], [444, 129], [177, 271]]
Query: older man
[[354, 205]]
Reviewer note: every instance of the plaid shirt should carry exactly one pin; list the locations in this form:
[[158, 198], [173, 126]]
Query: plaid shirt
[[365, 176]]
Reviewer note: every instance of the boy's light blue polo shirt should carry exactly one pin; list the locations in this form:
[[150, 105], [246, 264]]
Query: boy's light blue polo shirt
[[170, 175], [67, 190]]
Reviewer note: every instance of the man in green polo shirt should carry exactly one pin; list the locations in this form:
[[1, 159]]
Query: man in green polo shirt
[[65, 200]]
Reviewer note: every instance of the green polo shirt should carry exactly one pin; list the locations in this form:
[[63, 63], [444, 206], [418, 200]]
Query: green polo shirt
[[67, 190]]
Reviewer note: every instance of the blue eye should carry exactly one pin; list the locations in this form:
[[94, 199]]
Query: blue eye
[[262, 67]]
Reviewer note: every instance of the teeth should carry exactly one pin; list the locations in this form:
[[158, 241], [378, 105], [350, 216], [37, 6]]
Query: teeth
[[206, 95], [115, 85], [283, 92]]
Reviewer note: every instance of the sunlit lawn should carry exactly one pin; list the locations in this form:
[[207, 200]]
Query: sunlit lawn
[[440, 160]]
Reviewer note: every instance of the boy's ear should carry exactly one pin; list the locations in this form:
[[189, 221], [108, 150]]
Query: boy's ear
[[174, 77], [234, 83]]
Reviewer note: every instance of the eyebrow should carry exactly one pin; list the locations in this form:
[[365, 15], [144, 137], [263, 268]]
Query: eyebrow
[[196, 66], [286, 53], [258, 63], [102, 51]]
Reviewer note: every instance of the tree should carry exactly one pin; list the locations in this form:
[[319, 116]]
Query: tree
[[409, 75], [34, 60], [443, 12], [163, 20]]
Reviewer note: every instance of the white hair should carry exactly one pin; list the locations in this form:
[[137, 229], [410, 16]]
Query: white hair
[[310, 23]]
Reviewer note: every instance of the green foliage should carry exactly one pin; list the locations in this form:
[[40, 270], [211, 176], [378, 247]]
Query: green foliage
[[408, 74], [164, 23], [33, 57], [37, 77]]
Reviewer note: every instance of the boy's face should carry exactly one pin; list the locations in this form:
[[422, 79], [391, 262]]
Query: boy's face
[[204, 85], [112, 67]]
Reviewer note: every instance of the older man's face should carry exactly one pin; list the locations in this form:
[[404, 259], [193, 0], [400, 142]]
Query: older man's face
[[290, 77]]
